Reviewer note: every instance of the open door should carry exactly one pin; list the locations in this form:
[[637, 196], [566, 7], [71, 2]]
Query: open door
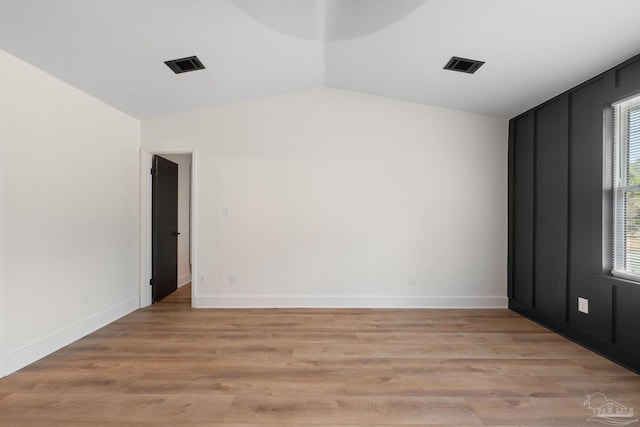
[[164, 228]]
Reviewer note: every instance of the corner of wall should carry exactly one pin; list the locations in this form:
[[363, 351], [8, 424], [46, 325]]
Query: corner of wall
[[184, 279]]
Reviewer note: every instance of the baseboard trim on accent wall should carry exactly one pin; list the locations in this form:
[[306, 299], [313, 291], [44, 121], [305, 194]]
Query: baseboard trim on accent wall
[[36, 350], [273, 301], [184, 279]]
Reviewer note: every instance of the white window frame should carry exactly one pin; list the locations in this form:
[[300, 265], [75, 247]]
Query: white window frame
[[621, 188]]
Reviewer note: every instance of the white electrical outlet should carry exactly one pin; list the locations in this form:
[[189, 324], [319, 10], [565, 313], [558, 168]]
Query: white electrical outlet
[[84, 298], [225, 212], [203, 278], [583, 305], [232, 279], [412, 279]]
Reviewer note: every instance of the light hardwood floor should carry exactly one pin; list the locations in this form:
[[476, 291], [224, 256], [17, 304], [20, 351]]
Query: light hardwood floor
[[171, 365]]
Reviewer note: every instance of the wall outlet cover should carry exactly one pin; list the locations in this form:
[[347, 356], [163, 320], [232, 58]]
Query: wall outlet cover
[[583, 305]]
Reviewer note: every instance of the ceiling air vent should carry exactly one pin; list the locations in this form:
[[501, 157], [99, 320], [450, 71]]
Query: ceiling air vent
[[184, 65], [463, 65]]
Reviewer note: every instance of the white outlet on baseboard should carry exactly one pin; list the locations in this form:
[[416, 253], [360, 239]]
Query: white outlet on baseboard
[[232, 279], [203, 278], [412, 279], [583, 305]]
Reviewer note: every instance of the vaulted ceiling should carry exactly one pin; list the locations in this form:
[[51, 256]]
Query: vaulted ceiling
[[115, 49]]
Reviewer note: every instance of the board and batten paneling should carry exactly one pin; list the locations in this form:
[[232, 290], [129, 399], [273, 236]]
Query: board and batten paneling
[[522, 206], [551, 196], [586, 183], [560, 221]]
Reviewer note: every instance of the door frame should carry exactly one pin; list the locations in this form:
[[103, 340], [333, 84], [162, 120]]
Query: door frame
[[146, 162]]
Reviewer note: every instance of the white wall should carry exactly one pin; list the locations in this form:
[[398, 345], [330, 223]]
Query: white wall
[[335, 198], [184, 188], [70, 213]]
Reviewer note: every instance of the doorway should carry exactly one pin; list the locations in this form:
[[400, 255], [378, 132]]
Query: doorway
[[185, 159], [164, 228]]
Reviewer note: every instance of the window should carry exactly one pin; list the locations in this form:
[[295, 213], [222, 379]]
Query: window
[[626, 186]]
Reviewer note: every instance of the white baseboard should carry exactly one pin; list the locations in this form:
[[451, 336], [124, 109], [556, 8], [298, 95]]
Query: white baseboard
[[184, 279], [269, 301], [36, 350]]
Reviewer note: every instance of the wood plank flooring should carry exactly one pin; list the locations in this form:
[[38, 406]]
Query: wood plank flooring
[[171, 365]]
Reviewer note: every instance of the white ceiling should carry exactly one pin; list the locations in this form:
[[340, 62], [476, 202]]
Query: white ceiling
[[115, 49]]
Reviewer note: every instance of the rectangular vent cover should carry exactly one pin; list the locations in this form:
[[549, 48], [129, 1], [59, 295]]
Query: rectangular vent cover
[[183, 65], [463, 65]]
